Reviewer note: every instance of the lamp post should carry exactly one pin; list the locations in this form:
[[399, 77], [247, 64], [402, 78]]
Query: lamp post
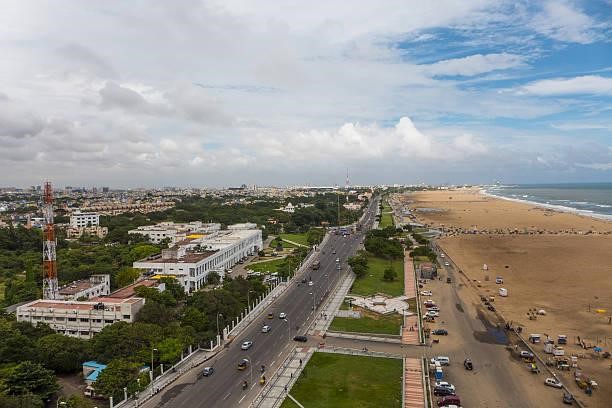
[[313, 300], [288, 329], [250, 367], [218, 314], [152, 372], [248, 303]]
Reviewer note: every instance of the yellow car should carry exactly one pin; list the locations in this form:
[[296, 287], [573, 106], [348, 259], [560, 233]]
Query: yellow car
[[243, 364], [270, 316]]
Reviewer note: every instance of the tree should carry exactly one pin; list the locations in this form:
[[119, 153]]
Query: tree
[[156, 313], [315, 235], [29, 378], [126, 276], [213, 278], [21, 401], [359, 263], [169, 350], [389, 274], [78, 401], [118, 374], [62, 354]]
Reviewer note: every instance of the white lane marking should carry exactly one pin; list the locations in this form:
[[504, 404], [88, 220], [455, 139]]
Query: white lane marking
[[227, 396], [272, 363], [241, 399], [279, 354]]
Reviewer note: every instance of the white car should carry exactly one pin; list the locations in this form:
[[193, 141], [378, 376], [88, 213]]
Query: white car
[[338, 260], [282, 315], [443, 360], [441, 255], [553, 382], [446, 264], [433, 313], [434, 308], [310, 283], [426, 293], [265, 329], [445, 384], [246, 345]]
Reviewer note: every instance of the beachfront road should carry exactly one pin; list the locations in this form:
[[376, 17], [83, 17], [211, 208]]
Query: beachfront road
[[498, 380], [224, 387]]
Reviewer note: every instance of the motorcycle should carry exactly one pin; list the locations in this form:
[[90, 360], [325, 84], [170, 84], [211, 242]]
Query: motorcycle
[[245, 385]]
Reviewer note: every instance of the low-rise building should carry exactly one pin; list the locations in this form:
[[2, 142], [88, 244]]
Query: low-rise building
[[96, 285], [95, 231], [80, 319], [191, 260], [352, 206], [175, 232], [80, 219], [428, 270]]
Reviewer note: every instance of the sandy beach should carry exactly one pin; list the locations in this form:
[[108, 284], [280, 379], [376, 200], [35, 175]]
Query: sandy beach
[[559, 262]]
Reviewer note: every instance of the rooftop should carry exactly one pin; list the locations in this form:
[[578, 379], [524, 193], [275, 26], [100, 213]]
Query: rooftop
[[128, 291]]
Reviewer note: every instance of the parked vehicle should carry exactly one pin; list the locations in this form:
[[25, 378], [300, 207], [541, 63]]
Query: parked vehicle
[[426, 293], [553, 382], [207, 371], [443, 360], [568, 398], [433, 313], [448, 280], [449, 400], [499, 280], [301, 339], [446, 264], [442, 391], [440, 332], [526, 354], [444, 384], [467, 363]]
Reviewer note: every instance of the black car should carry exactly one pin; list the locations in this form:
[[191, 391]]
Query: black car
[[301, 339], [443, 391], [467, 363], [440, 332]]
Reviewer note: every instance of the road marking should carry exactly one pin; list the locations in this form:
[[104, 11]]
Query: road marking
[[272, 363], [279, 354], [227, 396], [241, 399]]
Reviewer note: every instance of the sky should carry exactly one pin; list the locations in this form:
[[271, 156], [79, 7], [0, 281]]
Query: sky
[[218, 93]]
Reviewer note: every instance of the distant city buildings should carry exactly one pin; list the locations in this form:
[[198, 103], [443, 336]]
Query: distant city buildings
[[176, 232]]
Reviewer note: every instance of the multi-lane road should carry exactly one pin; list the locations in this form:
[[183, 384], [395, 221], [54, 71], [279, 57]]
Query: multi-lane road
[[300, 301]]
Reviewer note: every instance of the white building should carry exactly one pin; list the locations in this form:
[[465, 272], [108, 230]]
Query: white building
[[289, 208], [352, 206], [176, 232], [80, 319], [96, 285], [243, 226], [191, 260], [80, 219]]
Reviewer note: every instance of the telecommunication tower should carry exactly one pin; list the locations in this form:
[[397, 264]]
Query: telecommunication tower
[[50, 285]]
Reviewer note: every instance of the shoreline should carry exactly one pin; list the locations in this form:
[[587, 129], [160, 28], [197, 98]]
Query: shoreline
[[560, 208]]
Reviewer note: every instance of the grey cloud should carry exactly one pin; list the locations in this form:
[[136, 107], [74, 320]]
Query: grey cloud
[[83, 58], [117, 96], [17, 123]]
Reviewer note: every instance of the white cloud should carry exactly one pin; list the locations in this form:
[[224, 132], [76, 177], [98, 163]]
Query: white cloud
[[475, 64], [588, 84], [560, 21]]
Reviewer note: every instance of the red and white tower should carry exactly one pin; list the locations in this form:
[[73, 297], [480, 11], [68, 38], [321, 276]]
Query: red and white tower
[[50, 285]]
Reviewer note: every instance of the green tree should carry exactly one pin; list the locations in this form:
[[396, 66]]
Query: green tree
[[62, 354], [29, 378], [126, 276], [170, 350], [156, 313], [21, 401], [213, 278], [118, 374], [315, 235], [78, 401], [389, 274]]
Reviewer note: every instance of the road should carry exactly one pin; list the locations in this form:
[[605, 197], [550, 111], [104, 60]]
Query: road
[[300, 302], [498, 379]]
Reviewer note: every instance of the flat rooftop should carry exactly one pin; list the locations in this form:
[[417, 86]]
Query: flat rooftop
[[78, 286], [75, 305], [190, 257], [128, 291]]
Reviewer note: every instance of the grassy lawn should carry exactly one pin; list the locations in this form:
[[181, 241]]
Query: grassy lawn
[[271, 266], [369, 323], [373, 283], [2, 287], [386, 219], [342, 381], [299, 238]]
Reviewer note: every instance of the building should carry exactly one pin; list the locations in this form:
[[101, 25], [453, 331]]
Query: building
[[192, 259], [175, 232], [95, 231], [80, 319], [428, 270], [243, 226], [289, 208], [352, 206], [96, 285], [80, 219]]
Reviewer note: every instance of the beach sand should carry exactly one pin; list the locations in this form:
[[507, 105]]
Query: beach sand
[[567, 274]]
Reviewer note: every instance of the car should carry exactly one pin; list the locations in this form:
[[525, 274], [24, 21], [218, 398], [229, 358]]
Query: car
[[448, 280], [266, 329], [207, 371], [333, 251], [426, 293], [444, 384], [434, 308], [270, 315], [440, 332], [442, 255], [304, 280], [526, 354], [446, 264], [443, 360], [246, 345], [429, 302], [553, 382], [243, 364], [282, 315], [338, 260], [467, 363], [310, 283], [301, 339], [442, 391], [449, 400], [568, 399], [338, 267], [433, 313]]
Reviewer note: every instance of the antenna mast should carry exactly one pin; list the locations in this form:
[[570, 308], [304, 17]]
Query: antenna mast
[[50, 285]]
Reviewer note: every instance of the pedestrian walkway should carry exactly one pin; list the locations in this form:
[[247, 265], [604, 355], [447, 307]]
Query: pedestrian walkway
[[414, 388], [411, 327], [297, 244], [410, 286], [277, 388], [325, 317]]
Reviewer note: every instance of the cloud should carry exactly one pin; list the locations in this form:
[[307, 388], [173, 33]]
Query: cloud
[[83, 58], [588, 84], [560, 21], [475, 64], [16, 122]]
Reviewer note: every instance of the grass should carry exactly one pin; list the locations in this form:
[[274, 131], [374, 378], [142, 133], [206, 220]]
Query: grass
[[299, 238], [2, 287], [386, 218], [369, 323], [342, 381], [271, 266], [373, 283]]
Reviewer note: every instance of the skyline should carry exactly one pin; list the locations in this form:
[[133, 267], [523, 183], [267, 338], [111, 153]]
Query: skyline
[[225, 93]]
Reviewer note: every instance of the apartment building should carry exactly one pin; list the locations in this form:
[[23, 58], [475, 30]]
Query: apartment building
[[80, 219], [96, 285], [175, 232]]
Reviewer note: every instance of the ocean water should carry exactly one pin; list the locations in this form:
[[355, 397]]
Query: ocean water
[[593, 199]]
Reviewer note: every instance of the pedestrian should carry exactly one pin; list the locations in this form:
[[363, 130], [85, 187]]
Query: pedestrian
[[285, 387], [300, 362], [292, 374]]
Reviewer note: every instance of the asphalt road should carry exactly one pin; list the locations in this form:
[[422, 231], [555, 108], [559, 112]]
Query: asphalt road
[[300, 302], [498, 380]]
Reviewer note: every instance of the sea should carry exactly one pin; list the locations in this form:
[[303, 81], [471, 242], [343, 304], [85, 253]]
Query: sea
[[591, 199]]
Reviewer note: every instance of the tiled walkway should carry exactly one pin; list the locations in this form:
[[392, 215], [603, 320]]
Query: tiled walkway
[[414, 390], [410, 331]]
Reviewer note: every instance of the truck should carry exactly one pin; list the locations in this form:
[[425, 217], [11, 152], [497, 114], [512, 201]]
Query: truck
[[316, 265]]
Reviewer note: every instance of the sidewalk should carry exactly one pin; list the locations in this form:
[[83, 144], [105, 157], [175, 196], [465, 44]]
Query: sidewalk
[[411, 327], [278, 386], [414, 388], [325, 317]]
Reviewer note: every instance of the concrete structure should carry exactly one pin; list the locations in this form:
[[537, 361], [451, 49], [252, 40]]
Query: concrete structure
[[242, 226], [289, 208], [97, 231], [428, 270], [80, 319], [191, 260], [80, 219], [96, 285], [175, 232], [352, 206]]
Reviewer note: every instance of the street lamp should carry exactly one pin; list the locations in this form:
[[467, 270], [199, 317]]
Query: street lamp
[[313, 300], [218, 314], [288, 329], [152, 371], [250, 367]]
